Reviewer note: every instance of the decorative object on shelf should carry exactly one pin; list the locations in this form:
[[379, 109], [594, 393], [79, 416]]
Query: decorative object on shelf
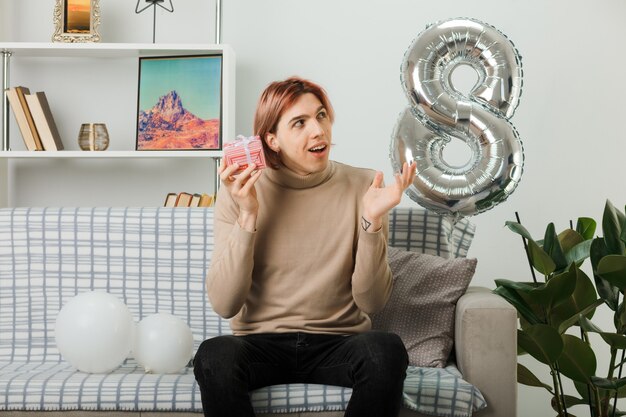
[[153, 4], [93, 137], [184, 199], [76, 21], [180, 103], [170, 200], [24, 117], [438, 113], [44, 121], [206, 200]]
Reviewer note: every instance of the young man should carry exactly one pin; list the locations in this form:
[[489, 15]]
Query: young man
[[300, 261]]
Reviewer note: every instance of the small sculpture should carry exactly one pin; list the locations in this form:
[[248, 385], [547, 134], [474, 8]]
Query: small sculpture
[[153, 4]]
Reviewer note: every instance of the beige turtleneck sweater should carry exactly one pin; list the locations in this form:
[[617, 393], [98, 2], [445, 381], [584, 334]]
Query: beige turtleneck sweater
[[309, 266]]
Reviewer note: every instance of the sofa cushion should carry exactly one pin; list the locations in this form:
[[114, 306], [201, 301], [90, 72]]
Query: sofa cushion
[[441, 392], [422, 231], [431, 391], [57, 386], [422, 303]]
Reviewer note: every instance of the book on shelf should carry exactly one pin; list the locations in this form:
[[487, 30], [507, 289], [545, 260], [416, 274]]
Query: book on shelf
[[24, 118], [44, 121], [195, 200], [206, 200], [170, 200], [183, 199]]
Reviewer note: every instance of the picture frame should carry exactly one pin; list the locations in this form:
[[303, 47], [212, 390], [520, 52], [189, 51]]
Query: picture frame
[[76, 21], [179, 103]]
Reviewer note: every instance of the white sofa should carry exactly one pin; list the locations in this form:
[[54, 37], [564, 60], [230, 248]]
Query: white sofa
[[155, 260]]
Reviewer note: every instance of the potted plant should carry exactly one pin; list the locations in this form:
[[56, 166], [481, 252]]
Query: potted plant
[[556, 311]]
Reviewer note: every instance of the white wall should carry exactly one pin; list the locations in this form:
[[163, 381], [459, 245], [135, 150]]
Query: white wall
[[569, 117]]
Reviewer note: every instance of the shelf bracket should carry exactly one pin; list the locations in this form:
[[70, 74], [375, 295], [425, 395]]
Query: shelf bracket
[[216, 165], [218, 21], [6, 55]]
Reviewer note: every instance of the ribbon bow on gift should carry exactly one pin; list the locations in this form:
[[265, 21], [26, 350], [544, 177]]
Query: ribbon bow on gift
[[245, 142]]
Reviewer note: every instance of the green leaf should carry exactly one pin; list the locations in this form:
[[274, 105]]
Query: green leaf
[[614, 340], [552, 247], [586, 227], [577, 361], [612, 268], [520, 351], [597, 251], [526, 377], [542, 342], [570, 401], [583, 390], [558, 289], [588, 326], [580, 300], [621, 393], [612, 221], [519, 229], [607, 292], [569, 238], [540, 259], [575, 319], [619, 319], [578, 253], [612, 384], [514, 298], [540, 312], [517, 285]]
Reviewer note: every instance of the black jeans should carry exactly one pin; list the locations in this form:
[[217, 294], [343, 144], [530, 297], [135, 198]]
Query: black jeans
[[372, 363]]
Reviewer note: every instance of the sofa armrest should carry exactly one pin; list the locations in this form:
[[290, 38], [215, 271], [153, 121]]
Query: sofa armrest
[[486, 348]]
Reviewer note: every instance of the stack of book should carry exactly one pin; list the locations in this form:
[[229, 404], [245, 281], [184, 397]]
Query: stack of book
[[188, 200], [34, 119]]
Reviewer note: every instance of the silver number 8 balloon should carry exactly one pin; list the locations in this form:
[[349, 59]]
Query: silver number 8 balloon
[[439, 113]]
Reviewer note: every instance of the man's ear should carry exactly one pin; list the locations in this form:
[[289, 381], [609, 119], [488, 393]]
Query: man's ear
[[272, 142]]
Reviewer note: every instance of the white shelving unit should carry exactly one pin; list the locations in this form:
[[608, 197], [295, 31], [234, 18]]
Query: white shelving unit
[[95, 53], [109, 154]]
